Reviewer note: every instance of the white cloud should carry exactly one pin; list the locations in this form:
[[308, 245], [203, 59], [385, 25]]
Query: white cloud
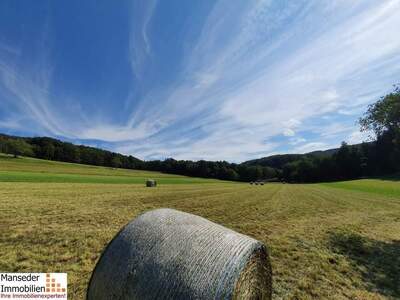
[[288, 132], [29, 93], [139, 42], [334, 129], [310, 147], [357, 137], [259, 69], [112, 133], [297, 140], [11, 123], [292, 123]]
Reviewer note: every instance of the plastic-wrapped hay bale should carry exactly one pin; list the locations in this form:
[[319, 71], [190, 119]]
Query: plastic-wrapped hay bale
[[167, 254]]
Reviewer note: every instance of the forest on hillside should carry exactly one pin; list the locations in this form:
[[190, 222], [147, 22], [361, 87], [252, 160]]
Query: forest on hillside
[[375, 158]]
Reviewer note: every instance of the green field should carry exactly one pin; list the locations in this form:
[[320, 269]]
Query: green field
[[36, 170], [329, 241]]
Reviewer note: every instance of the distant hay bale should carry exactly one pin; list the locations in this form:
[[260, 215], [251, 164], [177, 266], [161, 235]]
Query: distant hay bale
[[167, 254], [251, 182], [151, 183]]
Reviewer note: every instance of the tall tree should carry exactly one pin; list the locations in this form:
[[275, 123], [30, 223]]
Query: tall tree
[[384, 116]]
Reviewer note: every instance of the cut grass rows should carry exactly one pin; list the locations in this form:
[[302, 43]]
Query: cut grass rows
[[15, 176], [326, 241], [376, 186]]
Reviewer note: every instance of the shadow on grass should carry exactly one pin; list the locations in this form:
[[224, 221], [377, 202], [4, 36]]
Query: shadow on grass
[[378, 262]]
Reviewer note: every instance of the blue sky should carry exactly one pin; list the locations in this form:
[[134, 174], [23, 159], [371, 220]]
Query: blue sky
[[215, 80]]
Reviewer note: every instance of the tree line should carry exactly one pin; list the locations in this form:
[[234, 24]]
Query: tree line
[[379, 157], [53, 149]]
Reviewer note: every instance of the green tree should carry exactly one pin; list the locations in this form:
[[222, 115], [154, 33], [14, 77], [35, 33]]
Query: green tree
[[18, 147], [384, 116], [116, 162]]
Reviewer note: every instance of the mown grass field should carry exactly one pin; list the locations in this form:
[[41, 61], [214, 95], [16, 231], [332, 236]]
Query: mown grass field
[[326, 241]]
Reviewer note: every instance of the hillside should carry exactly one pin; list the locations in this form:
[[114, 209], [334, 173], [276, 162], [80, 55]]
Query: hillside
[[25, 169], [279, 160]]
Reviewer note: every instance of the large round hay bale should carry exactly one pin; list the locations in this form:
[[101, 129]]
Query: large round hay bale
[[151, 183], [167, 254]]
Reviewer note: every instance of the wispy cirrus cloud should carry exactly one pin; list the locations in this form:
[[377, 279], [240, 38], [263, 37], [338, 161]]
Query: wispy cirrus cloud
[[256, 77], [275, 64], [139, 41], [26, 88]]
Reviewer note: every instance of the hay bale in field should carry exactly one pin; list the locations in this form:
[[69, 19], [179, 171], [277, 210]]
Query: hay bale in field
[[151, 183], [251, 182], [167, 254]]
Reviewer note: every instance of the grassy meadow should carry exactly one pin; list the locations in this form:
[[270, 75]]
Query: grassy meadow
[[326, 241]]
